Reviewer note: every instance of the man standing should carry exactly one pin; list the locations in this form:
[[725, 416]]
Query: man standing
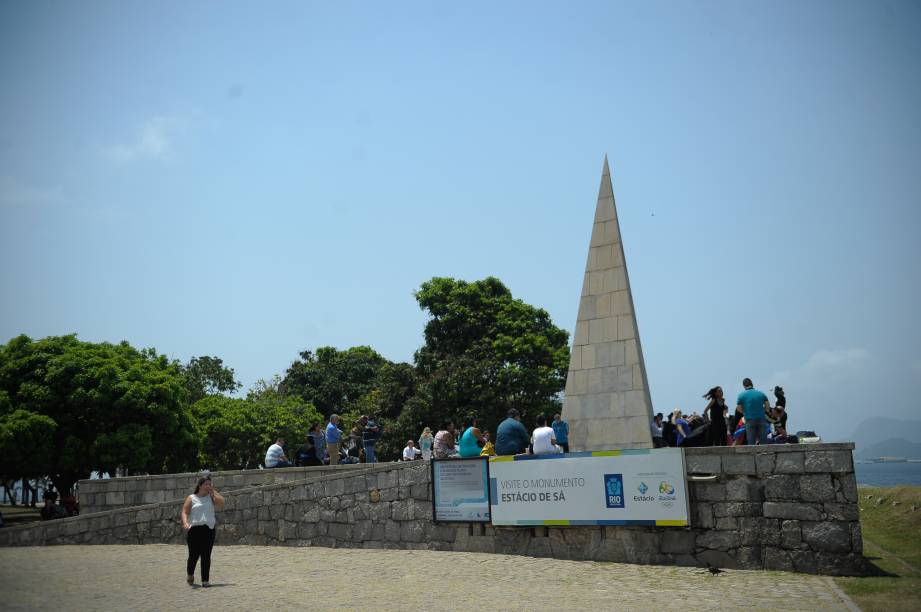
[[511, 436], [561, 432], [333, 437], [369, 434], [753, 404], [275, 456], [656, 430]]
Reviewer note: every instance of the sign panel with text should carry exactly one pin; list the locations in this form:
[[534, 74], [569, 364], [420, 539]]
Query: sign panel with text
[[460, 490], [626, 487]]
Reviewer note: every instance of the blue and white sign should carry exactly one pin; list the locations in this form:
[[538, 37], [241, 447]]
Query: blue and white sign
[[618, 487], [460, 490]]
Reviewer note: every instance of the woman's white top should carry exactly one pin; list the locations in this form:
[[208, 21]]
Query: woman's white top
[[202, 512]]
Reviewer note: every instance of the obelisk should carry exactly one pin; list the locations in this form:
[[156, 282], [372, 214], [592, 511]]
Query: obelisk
[[607, 402]]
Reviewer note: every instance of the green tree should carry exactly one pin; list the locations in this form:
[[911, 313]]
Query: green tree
[[206, 376], [484, 353], [26, 445], [114, 406], [333, 380], [237, 432]]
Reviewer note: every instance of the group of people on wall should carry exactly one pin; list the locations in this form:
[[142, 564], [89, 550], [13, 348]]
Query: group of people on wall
[[329, 446], [549, 436], [754, 421]]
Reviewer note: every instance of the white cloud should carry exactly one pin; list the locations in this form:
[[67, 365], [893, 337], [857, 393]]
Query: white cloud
[[825, 367], [14, 194], [154, 141]]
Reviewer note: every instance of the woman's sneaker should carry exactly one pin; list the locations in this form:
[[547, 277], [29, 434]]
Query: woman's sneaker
[[190, 580], [205, 583]]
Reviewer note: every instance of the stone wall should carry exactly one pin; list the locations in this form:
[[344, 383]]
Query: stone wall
[[774, 507], [113, 493]]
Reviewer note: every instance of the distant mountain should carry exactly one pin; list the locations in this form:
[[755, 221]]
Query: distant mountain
[[894, 447], [879, 429]]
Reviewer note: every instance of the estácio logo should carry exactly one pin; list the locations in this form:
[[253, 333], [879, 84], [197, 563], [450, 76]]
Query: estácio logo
[[642, 488], [614, 490]]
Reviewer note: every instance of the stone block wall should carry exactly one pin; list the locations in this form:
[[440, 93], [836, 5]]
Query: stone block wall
[[774, 507], [113, 493]]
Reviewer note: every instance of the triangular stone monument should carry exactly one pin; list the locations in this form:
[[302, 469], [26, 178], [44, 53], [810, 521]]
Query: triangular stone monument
[[607, 402]]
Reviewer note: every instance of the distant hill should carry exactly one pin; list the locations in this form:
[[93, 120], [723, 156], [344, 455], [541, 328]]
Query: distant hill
[[879, 429], [894, 447]]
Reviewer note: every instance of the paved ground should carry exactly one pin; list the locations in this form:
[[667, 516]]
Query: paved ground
[[152, 577]]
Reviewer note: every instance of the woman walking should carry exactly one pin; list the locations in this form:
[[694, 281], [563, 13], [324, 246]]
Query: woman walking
[[198, 522], [716, 412]]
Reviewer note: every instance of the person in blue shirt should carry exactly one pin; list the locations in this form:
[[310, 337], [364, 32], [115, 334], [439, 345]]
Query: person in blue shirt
[[333, 438], [561, 432], [682, 429], [754, 405], [370, 433], [511, 436]]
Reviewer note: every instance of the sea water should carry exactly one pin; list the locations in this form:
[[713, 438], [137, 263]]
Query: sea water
[[888, 474]]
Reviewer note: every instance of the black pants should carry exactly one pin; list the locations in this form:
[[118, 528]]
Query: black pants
[[201, 540], [718, 433], [564, 446]]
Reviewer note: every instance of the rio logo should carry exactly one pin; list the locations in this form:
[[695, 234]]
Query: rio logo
[[614, 490]]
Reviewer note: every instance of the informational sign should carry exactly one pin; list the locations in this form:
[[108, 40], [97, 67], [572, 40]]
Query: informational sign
[[626, 487], [460, 490]]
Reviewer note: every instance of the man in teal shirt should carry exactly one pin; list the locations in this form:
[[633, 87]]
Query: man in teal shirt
[[753, 404], [561, 432]]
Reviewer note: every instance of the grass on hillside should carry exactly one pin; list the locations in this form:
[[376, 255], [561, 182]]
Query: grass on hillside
[[890, 520]]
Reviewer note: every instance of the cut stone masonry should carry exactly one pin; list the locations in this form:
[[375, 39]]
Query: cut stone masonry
[[783, 507]]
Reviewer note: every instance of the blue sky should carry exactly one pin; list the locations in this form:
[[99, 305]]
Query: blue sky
[[250, 180]]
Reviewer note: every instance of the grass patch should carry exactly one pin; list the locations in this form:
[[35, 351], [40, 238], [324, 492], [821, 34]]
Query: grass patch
[[17, 515], [892, 543]]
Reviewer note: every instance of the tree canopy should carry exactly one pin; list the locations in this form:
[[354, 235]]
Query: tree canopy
[[333, 380], [69, 407], [235, 433], [108, 406], [208, 376], [486, 352]]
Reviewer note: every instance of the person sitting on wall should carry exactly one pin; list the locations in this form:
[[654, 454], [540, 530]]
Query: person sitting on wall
[[511, 436], [489, 450], [49, 511], [471, 442], [543, 440], [411, 453], [306, 454], [275, 456], [444, 441], [352, 454]]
